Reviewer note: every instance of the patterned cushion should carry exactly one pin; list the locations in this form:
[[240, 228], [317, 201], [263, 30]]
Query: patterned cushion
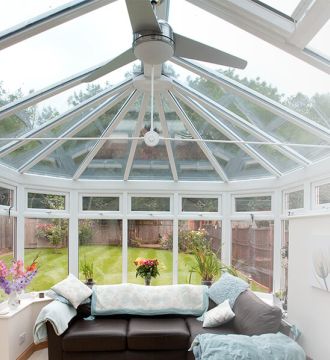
[[218, 315], [73, 290], [227, 287]]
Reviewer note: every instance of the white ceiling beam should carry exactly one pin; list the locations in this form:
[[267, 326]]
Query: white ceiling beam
[[166, 134], [85, 121], [195, 134], [48, 20], [225, 130], [239, 121], [316, 17], [68, 115], [106, 133], [136, 133], [261, 100], [263, 23]]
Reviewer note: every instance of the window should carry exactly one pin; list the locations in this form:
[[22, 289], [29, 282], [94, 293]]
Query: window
[[142, 203], [322, 194], [191, 232], [192, 204], [253, 203], [100, 243], [283, 291], [294, 200], [6, 197], [252, 252], [100, 203], [7, 241], [47, 238], [151, 239], [38, 200]]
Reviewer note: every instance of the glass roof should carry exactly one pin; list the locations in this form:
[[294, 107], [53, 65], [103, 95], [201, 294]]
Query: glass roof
[[215, 123], [321, 41], [285, 6]]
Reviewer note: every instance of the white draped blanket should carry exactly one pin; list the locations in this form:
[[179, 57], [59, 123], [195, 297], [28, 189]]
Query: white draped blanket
[[149, 300]]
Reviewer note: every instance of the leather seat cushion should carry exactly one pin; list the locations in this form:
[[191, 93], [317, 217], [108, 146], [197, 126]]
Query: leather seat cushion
[[96, 335], [196, 327], [157, 334]]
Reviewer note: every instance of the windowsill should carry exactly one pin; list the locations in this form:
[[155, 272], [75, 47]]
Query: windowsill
[[6, 313]]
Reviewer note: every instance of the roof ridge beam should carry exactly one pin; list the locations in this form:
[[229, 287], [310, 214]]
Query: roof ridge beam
[[85, 121], [12, 146], [257, 98], [48, 20], [195, 134], [240, 122], [106, 133]]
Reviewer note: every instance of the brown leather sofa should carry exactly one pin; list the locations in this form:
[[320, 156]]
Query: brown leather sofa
[[166, 337]]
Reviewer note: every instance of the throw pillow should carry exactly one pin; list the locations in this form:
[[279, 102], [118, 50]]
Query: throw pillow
[[227, 287], [218, 315], [53, 295], [73, 290], [254, 317]]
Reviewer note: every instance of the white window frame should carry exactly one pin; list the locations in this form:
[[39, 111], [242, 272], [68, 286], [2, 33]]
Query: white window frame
[[242, 213], [99, 213], [285, 193], [49, 212], [200, 213], [315, 206], [11, 188], [149, 213]]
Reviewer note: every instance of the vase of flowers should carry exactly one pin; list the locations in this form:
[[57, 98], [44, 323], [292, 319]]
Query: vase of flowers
[[147, 269], [14, 279]]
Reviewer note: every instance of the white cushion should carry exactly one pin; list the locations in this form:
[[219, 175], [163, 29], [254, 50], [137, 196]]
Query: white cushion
[[218, 315], [72, 289]]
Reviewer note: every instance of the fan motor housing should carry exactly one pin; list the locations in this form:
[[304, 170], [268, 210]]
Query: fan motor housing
[[154, 48]]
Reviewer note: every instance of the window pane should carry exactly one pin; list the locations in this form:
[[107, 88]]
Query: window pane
[[252, 252], [100, 203], [100, 243], [150, 204], [200, 204], [320, 42], [7, 241], [285, 6], [294, 200], [6, 197], [283, 291], [193, 232], [254, 203], [46, 201], [47, 238], [151, 239], [323, 194]]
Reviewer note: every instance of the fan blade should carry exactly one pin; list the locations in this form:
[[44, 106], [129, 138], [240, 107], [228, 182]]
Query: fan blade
[[142, 16], [114, 64], [191, 49]]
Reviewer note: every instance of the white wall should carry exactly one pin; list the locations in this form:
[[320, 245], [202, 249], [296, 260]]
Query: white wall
[[308, 307]]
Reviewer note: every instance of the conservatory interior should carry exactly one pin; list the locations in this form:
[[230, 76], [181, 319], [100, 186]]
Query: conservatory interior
[[135, 129]]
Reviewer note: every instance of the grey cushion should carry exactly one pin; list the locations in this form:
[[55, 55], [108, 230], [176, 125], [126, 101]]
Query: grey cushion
[[254, 317]]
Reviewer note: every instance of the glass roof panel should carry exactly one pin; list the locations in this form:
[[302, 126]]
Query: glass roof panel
[[17, 11], [321, 41], [262, 74], [67, 49], [285, 6]]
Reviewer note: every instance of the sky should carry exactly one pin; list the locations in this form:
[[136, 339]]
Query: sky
[[103, 34]]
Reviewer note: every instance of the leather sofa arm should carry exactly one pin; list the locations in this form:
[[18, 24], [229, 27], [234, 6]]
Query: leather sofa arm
[[54, 344]]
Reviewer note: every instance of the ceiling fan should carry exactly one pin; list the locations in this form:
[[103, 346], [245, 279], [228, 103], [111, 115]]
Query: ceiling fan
[[154, 42]]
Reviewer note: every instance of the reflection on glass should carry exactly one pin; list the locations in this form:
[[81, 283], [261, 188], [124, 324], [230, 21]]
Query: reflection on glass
[[7, 241], [151, 239], [191, 234], [322, 194], [100, 243], [253, 203], [47, 238], [46, 201], [100, 203], [252, 252]]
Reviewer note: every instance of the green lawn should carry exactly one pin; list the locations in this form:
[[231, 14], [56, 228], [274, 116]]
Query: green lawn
[[107, 266]]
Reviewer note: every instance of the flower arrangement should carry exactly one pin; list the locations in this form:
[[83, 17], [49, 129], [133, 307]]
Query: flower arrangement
[[16, 278], [146, 268]]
